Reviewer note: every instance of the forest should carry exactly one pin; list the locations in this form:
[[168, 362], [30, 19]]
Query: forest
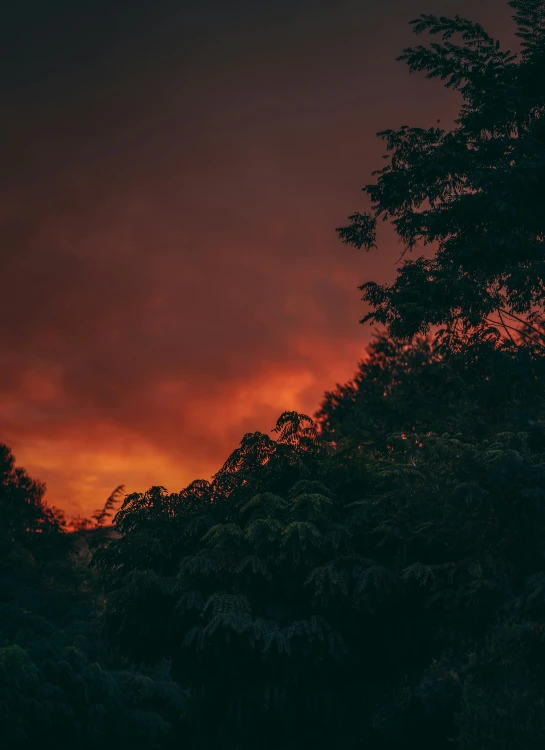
[[374, 576]]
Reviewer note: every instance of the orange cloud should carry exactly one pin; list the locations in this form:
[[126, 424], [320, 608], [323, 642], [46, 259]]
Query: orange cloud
[[170, 275]]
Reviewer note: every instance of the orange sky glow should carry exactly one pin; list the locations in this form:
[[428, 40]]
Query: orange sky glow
[[170, 274]]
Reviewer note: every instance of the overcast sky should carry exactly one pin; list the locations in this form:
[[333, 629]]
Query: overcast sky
[[172, 176]]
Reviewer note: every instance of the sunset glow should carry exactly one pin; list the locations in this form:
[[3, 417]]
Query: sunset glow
[[171, 278]]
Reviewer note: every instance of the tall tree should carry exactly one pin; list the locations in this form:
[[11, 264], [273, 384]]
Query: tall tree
[[475, 193]]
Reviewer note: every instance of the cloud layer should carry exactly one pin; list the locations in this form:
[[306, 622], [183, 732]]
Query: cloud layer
[[170, 275]]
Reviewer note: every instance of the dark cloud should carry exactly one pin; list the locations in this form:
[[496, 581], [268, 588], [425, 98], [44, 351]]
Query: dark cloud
[[169, 272]]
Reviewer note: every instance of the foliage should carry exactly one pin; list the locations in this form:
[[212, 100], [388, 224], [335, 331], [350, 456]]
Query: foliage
[[415, 386], [474, 193], [334, 612], [375, 579], [54, 691]]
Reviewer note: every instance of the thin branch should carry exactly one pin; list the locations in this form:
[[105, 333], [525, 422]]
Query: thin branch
[[524, 322], [517, 330], [504, 326]]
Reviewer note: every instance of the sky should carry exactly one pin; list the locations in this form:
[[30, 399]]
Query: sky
[[171, 177]]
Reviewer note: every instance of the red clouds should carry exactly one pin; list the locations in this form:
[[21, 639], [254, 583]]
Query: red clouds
[[170, 275]]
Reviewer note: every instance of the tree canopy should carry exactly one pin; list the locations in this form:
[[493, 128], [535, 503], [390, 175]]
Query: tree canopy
[[357, 595], [58, 686], [474, 193], [376, 579]]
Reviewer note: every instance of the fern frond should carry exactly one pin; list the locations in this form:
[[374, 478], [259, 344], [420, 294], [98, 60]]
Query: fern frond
[[314, 507], [309, 486], [190, 600], [307, 534], [265, 504], [223, 535], [263, 530], [382, 579], [223, 603], [257, 564], [330, 578], [425, 574], [199, 564], [338, 534]]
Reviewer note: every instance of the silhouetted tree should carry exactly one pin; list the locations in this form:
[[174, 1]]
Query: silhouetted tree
[[376, 580], [346, 608], [475, 192], [53, 690], [416, 386]]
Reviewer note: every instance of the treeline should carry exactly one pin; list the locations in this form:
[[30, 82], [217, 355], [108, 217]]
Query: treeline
[[59, 686], [367, 585], [382, 589], [374, 578]]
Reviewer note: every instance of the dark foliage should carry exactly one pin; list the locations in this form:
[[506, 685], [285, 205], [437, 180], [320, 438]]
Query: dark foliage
[[377, 579], [474, 193], [418, 386], [58, 687], [381, 598]]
